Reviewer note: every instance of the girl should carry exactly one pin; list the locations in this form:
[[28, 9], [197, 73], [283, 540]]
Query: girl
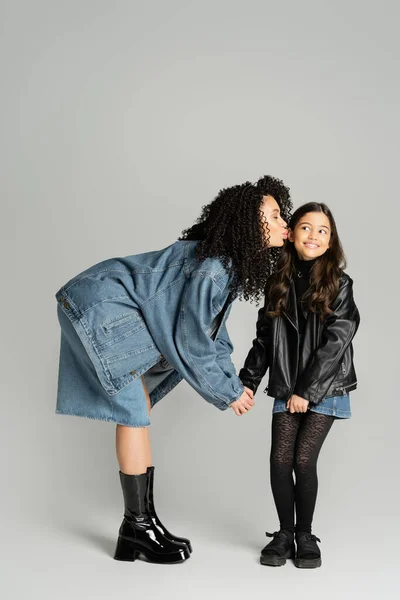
[[304, 335], [132, 328]]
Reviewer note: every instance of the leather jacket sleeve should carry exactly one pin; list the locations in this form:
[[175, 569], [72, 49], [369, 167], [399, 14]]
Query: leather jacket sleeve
[[338, 331], [256, 363]]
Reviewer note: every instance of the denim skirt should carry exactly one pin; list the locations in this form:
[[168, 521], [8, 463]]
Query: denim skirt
[[80, 392], [336, 406]]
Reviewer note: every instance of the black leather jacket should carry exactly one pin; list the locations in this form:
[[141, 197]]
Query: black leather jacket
[[324, 367]]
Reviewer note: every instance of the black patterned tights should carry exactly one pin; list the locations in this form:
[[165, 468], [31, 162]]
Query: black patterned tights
[[297, 439]]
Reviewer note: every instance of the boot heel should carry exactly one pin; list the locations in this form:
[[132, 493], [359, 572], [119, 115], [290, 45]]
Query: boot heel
[[126, 550]]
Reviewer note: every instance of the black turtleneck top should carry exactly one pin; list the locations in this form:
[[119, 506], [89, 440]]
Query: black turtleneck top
[[301, 278]]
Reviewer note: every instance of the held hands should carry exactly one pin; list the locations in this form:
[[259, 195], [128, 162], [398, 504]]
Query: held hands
[[245, 403], [296, 404]]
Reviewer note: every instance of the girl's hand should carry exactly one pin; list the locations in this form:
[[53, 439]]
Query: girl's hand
[[243, 404], [296, 404]]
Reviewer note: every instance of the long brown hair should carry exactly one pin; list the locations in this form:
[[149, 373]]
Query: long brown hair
[[324, 276]]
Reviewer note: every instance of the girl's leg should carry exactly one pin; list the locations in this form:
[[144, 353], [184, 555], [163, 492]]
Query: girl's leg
[[284, 431], [312, 434], [285, 427], [133, 446]]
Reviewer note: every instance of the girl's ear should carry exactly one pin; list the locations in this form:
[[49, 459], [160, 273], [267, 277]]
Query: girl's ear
[[290, 235]]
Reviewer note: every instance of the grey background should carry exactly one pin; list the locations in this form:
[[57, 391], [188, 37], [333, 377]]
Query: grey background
[[119, 121]]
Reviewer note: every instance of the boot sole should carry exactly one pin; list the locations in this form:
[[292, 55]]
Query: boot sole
[[128, 551], [307, 563]]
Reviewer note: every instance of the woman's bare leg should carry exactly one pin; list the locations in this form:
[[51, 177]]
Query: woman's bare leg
[[133, 446]]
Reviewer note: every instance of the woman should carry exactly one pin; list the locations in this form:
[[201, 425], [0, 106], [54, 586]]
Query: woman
[[134, 327]]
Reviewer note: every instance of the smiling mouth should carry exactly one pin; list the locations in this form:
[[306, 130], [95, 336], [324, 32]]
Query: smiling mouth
[[311, 246]]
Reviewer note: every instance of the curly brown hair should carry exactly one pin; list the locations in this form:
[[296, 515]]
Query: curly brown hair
[[325, 273], [232, 228]]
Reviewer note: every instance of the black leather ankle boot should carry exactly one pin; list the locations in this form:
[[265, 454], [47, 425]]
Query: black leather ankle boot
[[154, 517], [138, 536]]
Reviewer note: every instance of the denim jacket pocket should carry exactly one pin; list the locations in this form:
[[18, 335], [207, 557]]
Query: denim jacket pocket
[[123, 343], [122, 321], [121, 327]]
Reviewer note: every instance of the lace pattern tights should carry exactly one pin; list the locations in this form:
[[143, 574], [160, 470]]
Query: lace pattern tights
[[297, 439]]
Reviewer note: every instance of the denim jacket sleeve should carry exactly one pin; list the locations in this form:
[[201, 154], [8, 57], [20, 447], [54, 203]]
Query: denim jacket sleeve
[[207, 364], [338, 331], [224, 349]]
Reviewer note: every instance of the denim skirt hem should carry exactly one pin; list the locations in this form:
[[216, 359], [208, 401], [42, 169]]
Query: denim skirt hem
[[335, 406]]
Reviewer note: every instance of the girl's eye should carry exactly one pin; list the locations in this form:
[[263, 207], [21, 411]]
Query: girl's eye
[[322, 231], [305, 227]]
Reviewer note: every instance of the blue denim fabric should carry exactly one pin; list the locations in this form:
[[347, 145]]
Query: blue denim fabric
[[133, 313], [80, 392], [336, 406]]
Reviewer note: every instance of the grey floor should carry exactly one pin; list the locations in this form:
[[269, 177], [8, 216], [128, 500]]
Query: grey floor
[[73, 559]]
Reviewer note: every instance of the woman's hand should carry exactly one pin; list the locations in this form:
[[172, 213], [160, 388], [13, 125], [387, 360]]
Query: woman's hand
[[244, 403], [296, 404]]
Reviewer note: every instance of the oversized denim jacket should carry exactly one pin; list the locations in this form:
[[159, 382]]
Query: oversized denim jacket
[[159, 314]]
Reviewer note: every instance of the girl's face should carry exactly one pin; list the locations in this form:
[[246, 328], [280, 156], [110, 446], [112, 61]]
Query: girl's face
[[311, 235], [276, 230]]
